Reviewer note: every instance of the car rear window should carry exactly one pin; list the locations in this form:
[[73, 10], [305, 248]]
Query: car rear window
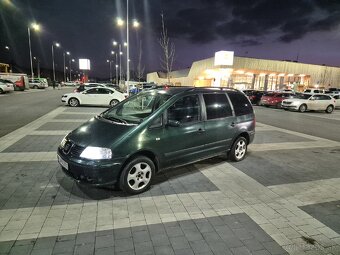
[[241, 104], [217, 106]]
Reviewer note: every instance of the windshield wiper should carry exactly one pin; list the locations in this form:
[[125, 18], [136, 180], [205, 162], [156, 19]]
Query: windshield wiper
[[114, 119]]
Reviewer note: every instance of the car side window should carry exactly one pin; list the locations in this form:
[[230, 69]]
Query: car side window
[[217, 106], [91, 91], [336, 97], [241, 104], [324, 97], [104, 91], [185, 110]]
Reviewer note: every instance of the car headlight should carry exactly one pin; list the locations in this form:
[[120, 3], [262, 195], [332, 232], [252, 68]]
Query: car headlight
[[96, 153], [63, 142]]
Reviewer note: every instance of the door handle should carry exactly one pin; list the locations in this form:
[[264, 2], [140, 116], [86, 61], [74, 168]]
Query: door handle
[[233, 124], [201, 130]]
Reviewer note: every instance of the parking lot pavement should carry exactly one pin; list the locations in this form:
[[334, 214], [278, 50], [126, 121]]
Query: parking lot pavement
[[283, 198]]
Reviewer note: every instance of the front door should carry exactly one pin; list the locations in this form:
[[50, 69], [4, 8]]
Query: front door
[[182, 139]]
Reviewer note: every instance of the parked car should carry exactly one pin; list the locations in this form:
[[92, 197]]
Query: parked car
[[37, 83], [86, 86], [254, 96], [306, 102], [156, 130], [314, 91], [6, 86], [93, 96], [274, 99]]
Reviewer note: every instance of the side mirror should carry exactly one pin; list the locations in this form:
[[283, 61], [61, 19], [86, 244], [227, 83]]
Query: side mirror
[[173, 123]]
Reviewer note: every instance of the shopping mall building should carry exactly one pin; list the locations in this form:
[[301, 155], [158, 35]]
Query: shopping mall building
[[227, 70]]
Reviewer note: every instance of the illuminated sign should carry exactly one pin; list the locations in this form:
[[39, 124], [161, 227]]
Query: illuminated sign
[[224, 58], [84, 64]]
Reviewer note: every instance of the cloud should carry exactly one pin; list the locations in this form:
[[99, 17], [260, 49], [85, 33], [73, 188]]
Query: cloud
[[245, 21]]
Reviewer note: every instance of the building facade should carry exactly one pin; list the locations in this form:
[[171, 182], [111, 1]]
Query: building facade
[[251, 73]]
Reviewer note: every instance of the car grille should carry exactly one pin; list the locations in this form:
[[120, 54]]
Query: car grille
[[73, 149], [286, 102]]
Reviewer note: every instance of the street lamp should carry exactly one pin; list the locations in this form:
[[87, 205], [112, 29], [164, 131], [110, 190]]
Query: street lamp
[[120, 59], [68, 54], [6, 47], [135, 24], [35, 27], [53, 66], [38, 65], [71, 60]]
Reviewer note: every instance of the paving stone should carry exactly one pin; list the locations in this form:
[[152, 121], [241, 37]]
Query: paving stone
[[327, 213], [274, 136], [298, 169], [104, 241], [36, 143]]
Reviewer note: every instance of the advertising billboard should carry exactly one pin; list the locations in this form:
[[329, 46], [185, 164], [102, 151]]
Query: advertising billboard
[[84, 64], [224, 58]]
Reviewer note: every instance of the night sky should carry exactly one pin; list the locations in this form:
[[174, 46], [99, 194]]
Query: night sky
[[270, 29]]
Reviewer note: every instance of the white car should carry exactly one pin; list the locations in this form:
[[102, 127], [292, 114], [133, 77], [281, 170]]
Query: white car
[[93, 96], [6, 86], [305, 102], [314, 91], [37, 83]]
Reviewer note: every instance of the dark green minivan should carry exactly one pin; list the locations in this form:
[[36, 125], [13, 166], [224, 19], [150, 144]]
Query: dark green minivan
[[156, 130]]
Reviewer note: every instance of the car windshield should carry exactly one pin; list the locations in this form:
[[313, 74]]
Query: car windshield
[[302, 96], [137, 108]]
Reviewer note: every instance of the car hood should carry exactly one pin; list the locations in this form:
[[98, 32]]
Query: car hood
[[99, 132], [295, 100]]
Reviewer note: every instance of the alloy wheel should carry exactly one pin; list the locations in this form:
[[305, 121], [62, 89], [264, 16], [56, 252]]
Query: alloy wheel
[[139, 176], [241, 148], [73, 102]]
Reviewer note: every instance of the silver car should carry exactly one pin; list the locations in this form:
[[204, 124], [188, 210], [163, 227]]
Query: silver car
[[306, 102]]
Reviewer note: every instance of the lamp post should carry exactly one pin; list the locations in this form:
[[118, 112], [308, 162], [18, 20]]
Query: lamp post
[[71, 60], [38, 65], [110, 62], [135, 24], [53, 66], [35, 27], [67, 53]]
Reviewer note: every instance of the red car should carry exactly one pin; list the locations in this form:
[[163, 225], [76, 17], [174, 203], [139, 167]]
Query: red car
[[274, 99]]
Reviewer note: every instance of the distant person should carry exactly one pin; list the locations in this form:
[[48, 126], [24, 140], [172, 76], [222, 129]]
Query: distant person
[[53, 84]]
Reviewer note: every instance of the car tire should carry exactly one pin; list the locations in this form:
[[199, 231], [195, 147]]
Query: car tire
[[114, 102], [278, 105], [285, 109], [35, 87], [303, 108], [73, 102], [239, 149], [329, 109], [137, 175]]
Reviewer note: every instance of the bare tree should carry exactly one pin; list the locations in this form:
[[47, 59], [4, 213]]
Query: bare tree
[[168, 50], [140, 67]]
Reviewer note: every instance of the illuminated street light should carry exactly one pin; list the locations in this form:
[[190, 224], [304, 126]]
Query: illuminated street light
[[6, 47], [35, 27], [135, 23], [53, 66], [120, 22], [125, 44], [112, 52], [115, 43], [70, 64], [65, 68]]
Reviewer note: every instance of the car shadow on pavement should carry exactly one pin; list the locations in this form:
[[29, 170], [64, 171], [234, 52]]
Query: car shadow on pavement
[[185, 179]]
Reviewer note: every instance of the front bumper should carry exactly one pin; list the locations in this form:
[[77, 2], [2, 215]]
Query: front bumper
[[92, 172], [7, 89], [290, 107]]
